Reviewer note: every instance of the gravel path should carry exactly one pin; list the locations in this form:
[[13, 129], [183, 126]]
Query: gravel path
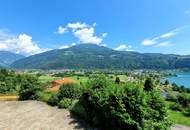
[[34, 115], [180, 127]]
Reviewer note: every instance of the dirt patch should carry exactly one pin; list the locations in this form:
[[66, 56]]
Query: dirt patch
[[180, 127], [34, 115]]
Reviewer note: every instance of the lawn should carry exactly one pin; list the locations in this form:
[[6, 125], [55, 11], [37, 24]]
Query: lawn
[[45, 78], [179, 118]]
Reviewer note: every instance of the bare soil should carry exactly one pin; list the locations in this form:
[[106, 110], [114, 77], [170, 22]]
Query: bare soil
[[34, 115]]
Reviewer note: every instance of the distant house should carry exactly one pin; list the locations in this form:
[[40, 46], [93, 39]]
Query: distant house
[[56, 84]]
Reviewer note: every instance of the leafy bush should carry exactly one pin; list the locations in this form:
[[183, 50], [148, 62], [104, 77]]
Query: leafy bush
[[43, 96], [171, 97], [187, 112], [71, 91], [127, 107], [65, 103], [148, 85], [176, 107], [53, 100], [30, 86]]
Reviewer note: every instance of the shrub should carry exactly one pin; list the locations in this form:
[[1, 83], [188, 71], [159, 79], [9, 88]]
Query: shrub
[[43, 96], [53, 100], [176, 107], [117, 80], [187, 112], [148, 85], [127, 107], [171, 97], [71, 91], [65, 103], [29, 87]]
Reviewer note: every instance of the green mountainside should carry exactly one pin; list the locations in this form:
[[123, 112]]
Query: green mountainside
[[7, 58], [90, 56]]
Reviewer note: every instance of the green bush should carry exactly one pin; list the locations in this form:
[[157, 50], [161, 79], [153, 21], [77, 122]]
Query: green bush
[[187, 112], [65, 103], [71, 91], [127, 107], [43, 96], [171, 97], [176, 107], [53, 100], [29, 88]]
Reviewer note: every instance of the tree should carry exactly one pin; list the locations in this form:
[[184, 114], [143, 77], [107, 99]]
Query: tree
[[148, 86], [29, 87], [117, 80], [127, 107], [166, 82]]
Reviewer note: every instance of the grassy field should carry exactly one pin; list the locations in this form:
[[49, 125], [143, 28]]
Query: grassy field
[[45, 78], [179, 118]]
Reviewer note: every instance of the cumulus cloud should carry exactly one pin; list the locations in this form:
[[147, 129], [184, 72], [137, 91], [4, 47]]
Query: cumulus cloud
[[124, 47], [77, 25], [61, 30], [21, 44], [85, 33]]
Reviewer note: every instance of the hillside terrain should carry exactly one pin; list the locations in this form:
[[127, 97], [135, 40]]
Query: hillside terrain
[[7, 58], [89, 56]]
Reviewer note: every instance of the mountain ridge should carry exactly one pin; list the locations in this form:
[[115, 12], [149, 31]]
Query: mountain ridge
[[7, 58], [90, 56]]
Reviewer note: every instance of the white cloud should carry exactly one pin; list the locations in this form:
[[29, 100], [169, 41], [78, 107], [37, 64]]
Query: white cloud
[[84, 33], [124, 47], [104, 34], [164, 44], [157, 40], [148, 42], [168, 35], [187, 12], [94, 24], [77, 25], [67, 46], [73, 44], [61, 30], [21, 44], [64, 47]]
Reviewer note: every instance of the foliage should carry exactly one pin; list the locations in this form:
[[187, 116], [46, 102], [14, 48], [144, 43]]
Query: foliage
[[127, 107], [117, 80], [29, 88], [65, 103], [148, 85], [9, 81], [43, 96], [71, 91], [53, 100]]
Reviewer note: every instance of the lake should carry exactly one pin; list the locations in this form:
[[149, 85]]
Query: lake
[[182, 78]]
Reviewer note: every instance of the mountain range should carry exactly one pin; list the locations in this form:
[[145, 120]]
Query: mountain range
[[91, 56], [7, 58]]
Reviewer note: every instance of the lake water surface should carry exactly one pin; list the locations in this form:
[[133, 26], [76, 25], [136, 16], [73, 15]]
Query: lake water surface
[[182, 78]]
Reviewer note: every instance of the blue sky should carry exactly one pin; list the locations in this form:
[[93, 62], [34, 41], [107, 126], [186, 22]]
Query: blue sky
[[33, 26]]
